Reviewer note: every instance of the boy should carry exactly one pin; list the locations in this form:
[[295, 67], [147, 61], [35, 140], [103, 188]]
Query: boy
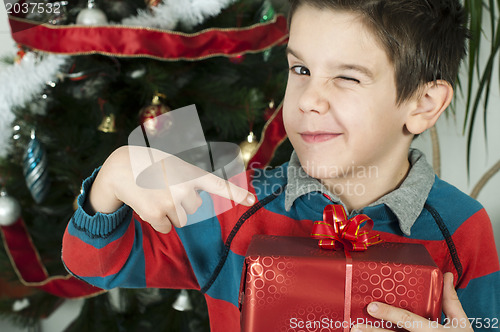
[[366, 76]]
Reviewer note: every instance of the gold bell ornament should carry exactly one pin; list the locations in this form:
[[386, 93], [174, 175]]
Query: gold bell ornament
[[108, 124]]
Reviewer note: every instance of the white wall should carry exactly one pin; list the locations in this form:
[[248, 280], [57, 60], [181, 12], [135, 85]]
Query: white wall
[[453, 168]]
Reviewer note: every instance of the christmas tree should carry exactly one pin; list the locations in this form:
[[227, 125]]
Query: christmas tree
[[73, 95]]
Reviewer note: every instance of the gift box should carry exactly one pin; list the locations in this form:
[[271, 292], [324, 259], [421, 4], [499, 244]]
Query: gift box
[[290, 284]]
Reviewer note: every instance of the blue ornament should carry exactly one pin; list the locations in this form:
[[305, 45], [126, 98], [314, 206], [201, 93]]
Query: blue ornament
[[35, 169]]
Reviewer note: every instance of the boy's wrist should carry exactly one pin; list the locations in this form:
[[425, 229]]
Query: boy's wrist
[[95, 198], [101, 197], [92, 221]]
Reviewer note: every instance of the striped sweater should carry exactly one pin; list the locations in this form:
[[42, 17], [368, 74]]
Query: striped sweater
[[121, 250]]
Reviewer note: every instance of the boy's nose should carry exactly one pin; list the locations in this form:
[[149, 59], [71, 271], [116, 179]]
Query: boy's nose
[[313, 99]]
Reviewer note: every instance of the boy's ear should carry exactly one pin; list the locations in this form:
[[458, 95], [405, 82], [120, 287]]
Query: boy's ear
[[431, 103]]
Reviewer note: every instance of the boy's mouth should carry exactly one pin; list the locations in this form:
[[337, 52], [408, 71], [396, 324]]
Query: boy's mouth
[[317, 136]]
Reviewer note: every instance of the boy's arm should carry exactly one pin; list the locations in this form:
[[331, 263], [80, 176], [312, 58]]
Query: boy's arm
[[479, 288], [110, 247], [120, 250], [161, 208]]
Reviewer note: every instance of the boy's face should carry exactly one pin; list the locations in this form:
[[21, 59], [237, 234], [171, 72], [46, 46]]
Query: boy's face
[[340, 105]]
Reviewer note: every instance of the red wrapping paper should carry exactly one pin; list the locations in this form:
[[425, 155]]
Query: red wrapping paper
[[289, 284]]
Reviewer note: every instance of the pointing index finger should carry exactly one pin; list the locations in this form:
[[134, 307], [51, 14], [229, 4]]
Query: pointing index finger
[[218, 186]]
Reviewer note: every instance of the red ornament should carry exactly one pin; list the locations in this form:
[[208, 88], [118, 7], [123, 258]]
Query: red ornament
[[237, 59], [152, 3], [150, 117], [20, 53]]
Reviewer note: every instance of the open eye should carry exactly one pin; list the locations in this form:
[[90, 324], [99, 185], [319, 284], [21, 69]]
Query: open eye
[[300, 70], [350, 79]]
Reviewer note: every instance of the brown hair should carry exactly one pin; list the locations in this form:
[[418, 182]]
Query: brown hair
[[424, 39]]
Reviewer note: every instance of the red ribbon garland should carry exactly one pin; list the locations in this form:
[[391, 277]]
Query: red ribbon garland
[[123, 41], [337, 231], [30, 270], [273, 134]]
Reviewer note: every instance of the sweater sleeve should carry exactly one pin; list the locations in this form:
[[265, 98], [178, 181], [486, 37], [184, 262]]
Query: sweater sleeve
[[479, 287], [121, 250]]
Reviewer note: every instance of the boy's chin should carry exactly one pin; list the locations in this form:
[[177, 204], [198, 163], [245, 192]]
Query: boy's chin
[[321, 172], [323, 167]]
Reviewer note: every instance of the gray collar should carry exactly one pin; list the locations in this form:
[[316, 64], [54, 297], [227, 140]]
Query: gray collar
[[406, 202]]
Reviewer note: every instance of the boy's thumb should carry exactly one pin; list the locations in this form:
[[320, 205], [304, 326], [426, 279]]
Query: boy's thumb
[[452, 307]]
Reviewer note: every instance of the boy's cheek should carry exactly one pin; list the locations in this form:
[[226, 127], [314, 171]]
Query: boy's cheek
[[288, 118], [293, 89], [289, 126]]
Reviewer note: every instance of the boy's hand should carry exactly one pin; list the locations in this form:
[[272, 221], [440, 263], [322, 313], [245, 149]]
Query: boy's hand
[[452, 308], [115, 184]]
